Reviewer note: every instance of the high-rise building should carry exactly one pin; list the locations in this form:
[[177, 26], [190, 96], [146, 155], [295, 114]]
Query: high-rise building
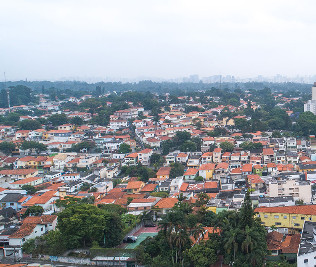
[[311, 104]]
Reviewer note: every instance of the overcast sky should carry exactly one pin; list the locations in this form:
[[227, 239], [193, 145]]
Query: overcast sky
[[51, 39]]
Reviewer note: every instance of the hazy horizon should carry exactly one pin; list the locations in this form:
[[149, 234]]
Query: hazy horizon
[[88, 40]]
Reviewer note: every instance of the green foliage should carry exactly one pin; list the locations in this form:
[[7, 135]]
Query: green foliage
[[29, 189], [77, 121], [7, 147], [251, 146], [84, 187], [177, 169], [82, 224], [299, 202], [29, 125], [124, 148], [201, 255], [88, 145], [157, 160], [117, 209], [218, 131], [276, 134], [19, 95], [160, 194], [58, 119], [306, 124], [144, 173], [227, 146], [199, 179], [33, 211], [183, 142], [33, 145]]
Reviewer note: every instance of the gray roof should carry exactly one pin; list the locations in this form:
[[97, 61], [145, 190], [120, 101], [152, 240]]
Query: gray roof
[[307, 244], [11, 197]]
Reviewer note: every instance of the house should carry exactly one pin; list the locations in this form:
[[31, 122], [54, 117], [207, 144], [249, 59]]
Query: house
[[134, 186], [130, 160], [175, 185], [11, 200], [268, 155], [32, 227], [182, 158], [144, 156], [307, 251], [207, 170], [165, 204], [138, 206], [287, 217], [149, 188], [207, 157], [17, 174], [190, 174], [283, 245], [255, 181], [33, 181], [70, 177], [44, 199], [217, 155], [163, 173]]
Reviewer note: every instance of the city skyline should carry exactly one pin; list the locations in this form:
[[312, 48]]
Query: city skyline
[[52, 40]]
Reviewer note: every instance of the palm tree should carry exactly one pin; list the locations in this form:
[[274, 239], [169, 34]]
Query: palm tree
[[231, 243]]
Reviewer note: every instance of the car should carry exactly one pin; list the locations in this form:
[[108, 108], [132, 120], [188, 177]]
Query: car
[[130, 239], [150, 224]]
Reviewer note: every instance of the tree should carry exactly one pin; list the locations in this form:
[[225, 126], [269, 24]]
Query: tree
[[58, 119], [156, 160], [84, 187], [77, 121], [33, 145], [82, 224], [227, 146], [7, 147], [299, 202], [124, 148], [161, 194], [29, 125], [29, 189], [33, 211], [201, 255], [199, 179], [88, 145], [177, 169]]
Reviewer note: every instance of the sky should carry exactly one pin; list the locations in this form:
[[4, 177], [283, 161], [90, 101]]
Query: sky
[[85, 39]]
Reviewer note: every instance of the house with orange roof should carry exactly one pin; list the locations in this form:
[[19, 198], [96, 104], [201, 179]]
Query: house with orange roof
[[32, 227], [190, 174], [130, 160], [255, 181], [149, 188], [182, 158], [221, 171], [44, 199], [207, 170], [258, 169], [292, 217], [163, 173], [268, 155], [207, 157], [236, 174], [16, 174], [135, 186], [33, 181], [165, 204]]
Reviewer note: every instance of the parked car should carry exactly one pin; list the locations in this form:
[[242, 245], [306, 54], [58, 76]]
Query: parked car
[[130, 239]]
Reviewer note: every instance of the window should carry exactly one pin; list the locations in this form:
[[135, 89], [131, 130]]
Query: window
[[276, 216], [258, 215], [42, 229], [277, 223], [296, 224], [294, 217], [302, 218], [284, 217], [305, 260], [265, 216], [310, 218]]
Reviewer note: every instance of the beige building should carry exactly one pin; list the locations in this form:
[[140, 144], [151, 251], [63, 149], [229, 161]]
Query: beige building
[[297, 189]]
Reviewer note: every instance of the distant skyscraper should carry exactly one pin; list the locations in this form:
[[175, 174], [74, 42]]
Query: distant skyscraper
[[311, 104]]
